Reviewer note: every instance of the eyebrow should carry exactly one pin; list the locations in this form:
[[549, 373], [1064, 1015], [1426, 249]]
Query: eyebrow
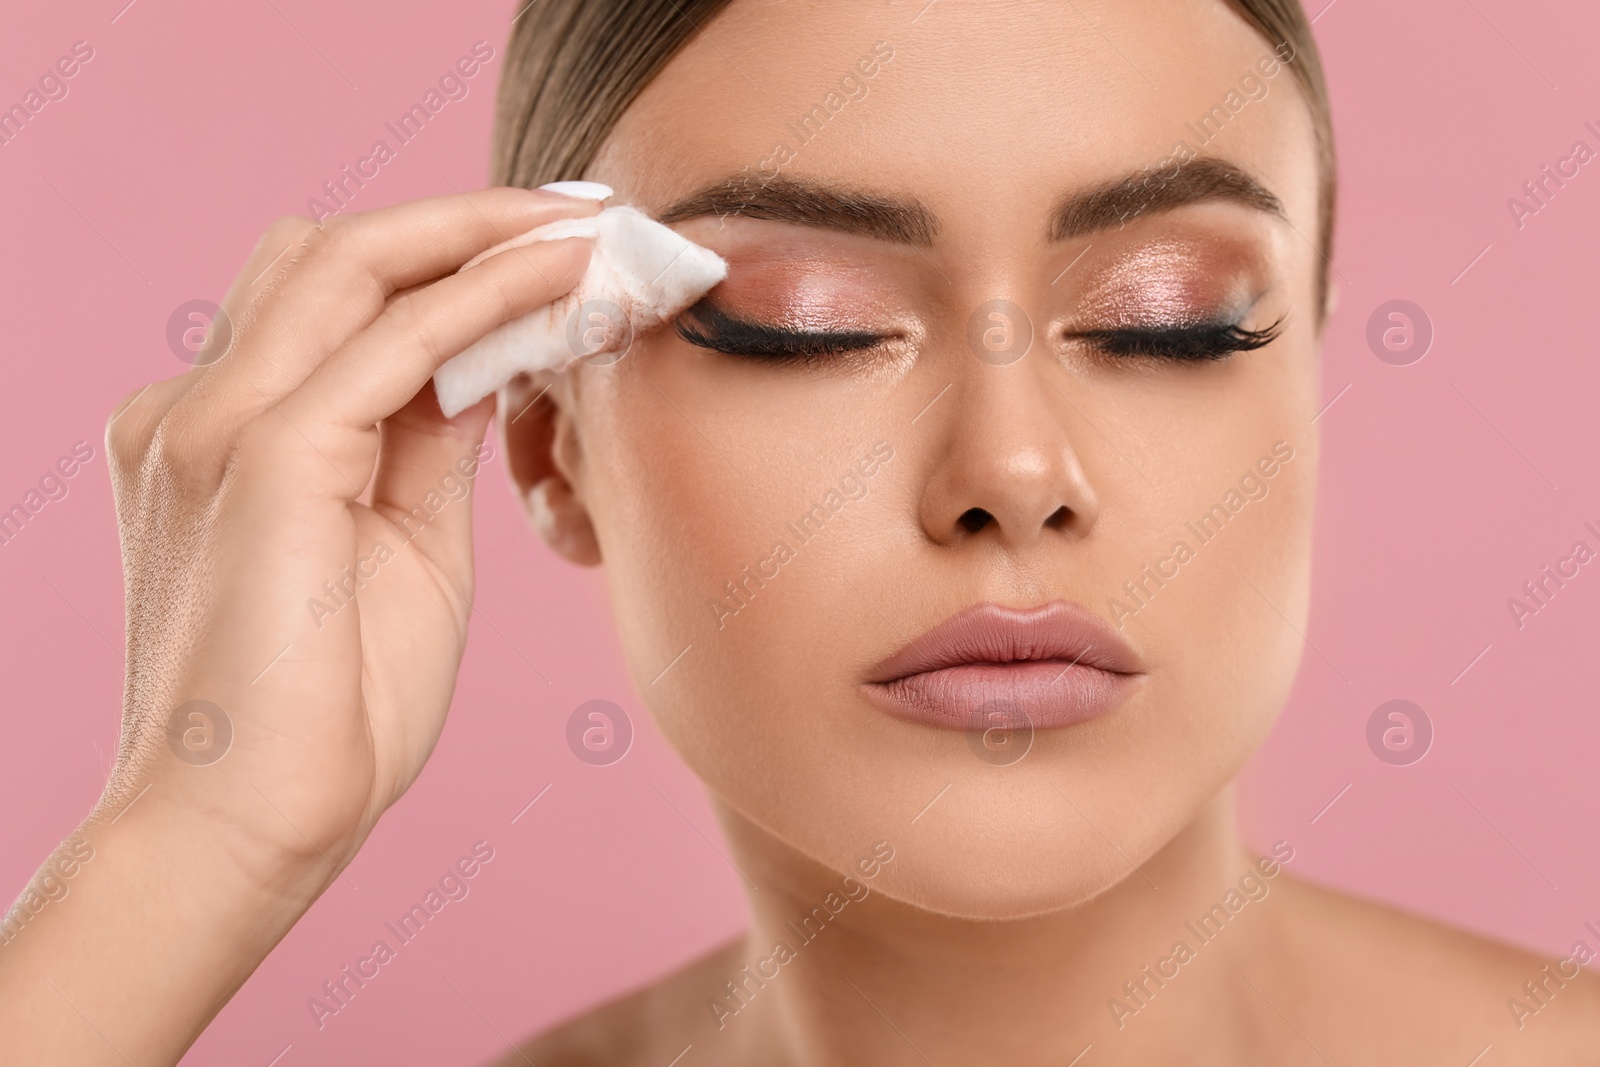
[[811, 203], [1116, 202], [908, 221]]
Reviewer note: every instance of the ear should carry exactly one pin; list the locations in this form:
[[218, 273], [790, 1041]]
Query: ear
[[540, 442]]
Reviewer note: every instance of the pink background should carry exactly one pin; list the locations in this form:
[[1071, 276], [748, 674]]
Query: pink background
[[1446, 485]]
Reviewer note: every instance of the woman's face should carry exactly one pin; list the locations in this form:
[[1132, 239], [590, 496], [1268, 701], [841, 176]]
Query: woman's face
[[962, 365]]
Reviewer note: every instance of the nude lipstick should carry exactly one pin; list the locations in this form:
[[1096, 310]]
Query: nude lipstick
[[1048, 666]]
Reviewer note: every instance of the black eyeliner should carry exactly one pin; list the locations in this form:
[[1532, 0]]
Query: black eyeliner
[[708, 326], [1182, 342]]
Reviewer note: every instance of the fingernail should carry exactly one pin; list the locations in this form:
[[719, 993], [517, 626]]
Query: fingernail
[[579, 189]]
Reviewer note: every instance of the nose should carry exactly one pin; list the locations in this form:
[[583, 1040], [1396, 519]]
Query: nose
[[1007, 464]]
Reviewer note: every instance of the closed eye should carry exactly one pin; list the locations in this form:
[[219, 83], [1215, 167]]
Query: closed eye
[[1182, 342], [708, 326]]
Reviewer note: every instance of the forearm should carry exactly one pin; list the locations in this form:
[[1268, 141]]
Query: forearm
[[129, 956]]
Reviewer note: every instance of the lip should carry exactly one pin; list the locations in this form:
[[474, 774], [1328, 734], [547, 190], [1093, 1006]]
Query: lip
[[990, 666]]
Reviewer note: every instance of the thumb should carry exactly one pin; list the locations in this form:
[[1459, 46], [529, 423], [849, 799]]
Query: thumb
[[427, 468]]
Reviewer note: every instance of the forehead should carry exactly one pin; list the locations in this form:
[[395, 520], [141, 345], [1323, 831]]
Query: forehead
[[1005, 103]]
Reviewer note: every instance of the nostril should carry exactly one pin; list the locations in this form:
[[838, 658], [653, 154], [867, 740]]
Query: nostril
[[1059, 518], [975, 519]]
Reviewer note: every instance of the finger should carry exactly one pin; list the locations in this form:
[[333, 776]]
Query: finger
[[268, 264], [264, 266], [390, 362], [343, 272], [427, 467], [133, 423], [144, 408], [146, 405]]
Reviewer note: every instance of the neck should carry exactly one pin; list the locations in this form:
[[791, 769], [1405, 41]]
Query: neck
[[873, 980]]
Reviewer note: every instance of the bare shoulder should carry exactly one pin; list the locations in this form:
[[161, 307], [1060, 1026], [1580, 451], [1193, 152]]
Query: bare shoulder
[[651, 1025], [1383, 978]]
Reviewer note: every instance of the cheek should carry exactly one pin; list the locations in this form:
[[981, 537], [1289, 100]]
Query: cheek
[[709, 484], [1211, 584], [1225, 623]]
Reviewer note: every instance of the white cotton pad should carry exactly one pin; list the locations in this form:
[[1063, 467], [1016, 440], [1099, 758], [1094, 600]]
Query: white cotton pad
[[640, 271]]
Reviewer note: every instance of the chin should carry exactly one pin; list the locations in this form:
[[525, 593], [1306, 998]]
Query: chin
[[1000, 849], [1002, 880]]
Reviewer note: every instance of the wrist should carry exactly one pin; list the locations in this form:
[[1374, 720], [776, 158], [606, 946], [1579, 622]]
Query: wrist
[[207, 867], [143, 887]]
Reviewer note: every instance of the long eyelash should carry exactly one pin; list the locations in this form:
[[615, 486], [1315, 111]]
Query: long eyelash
[[1192, 342], [709, 326]]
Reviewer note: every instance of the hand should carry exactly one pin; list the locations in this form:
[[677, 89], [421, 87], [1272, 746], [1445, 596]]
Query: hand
[[240, 489], [249, 491]]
